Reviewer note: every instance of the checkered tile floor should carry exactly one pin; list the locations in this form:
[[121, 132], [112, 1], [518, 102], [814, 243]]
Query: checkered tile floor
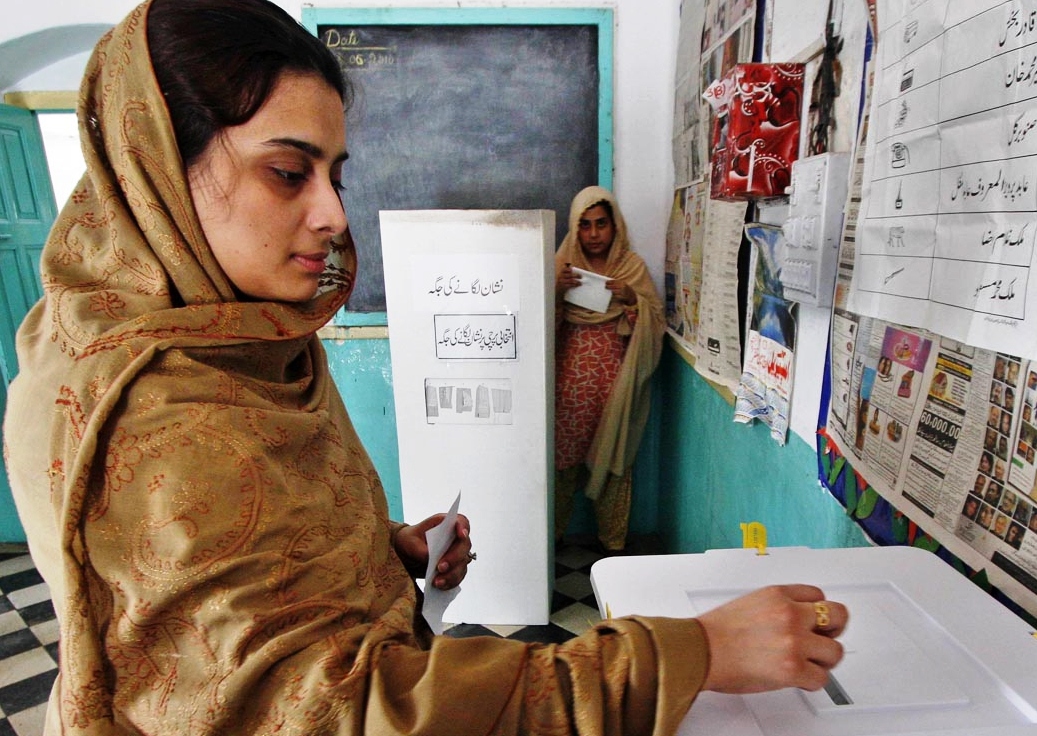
[[29, 630], [573, 608], [28, 646]]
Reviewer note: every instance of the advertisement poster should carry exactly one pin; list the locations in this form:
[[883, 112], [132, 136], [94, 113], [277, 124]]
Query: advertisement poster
[[765, 387]]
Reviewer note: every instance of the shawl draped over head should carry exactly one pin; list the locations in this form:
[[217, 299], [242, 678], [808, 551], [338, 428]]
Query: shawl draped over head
[[215, 538], [616, 440]]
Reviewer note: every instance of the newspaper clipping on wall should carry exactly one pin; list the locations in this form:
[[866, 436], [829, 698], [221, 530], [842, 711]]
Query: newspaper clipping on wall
[[702, 283]]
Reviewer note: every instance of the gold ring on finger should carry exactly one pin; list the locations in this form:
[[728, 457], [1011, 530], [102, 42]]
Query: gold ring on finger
[[822, 615]]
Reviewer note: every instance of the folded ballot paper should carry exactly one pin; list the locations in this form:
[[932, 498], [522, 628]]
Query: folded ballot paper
[[439, 538], [591, 293]]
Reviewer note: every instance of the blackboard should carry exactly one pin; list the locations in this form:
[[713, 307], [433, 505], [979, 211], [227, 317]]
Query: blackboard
[[468, 109]]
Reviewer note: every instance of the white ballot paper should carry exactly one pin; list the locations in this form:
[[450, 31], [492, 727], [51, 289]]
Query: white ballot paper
[[591, 293], [439, 538]]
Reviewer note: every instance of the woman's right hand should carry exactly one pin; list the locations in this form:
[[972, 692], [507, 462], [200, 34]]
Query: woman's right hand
[[567, 278], [775, 637]]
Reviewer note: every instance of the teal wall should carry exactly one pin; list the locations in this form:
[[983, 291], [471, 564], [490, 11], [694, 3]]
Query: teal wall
[[716, 474], [698, 474], [363, 372]]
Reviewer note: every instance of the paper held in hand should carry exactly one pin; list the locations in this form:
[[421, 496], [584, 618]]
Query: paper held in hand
[[591, 293], [439, 538]]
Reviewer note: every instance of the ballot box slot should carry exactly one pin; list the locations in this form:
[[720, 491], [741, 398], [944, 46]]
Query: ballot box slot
[[836, 693]]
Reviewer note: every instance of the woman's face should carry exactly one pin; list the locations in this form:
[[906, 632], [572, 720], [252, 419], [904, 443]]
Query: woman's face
[[266, 191], [596, 231]]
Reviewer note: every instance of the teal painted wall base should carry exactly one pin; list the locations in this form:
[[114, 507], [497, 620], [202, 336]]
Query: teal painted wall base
[[363, 372], [716, 474]]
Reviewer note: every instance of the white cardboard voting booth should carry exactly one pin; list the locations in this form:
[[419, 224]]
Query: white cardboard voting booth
[[469, 296], [927, 652]]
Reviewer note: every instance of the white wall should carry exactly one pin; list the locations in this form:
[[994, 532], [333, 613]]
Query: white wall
[[645, 54]]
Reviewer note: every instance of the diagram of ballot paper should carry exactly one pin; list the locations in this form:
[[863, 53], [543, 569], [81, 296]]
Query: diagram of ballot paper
[[927, 652]]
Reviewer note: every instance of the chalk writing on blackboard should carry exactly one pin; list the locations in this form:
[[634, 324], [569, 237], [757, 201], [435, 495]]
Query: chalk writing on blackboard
[[354, 54]]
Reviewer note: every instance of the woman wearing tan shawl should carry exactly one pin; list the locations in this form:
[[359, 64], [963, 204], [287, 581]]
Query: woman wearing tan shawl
[[604, 365], [215, 538]]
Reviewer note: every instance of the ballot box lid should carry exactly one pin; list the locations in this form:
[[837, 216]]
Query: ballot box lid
[[927, 651]]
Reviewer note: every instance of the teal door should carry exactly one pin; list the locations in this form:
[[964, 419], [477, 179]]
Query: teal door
[[26, 213]]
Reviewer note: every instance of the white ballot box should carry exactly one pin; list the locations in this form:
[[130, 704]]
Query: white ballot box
[[927, 652]]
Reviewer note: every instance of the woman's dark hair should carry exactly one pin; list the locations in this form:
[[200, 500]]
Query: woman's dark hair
[[217, 61], [607, 206]]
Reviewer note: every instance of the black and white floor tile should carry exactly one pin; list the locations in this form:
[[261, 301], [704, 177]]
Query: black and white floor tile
[[28, 645], [29, 630], [573, 607]]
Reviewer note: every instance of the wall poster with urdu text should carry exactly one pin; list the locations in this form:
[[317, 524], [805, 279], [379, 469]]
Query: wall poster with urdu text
[[941, 417], [947, 230]]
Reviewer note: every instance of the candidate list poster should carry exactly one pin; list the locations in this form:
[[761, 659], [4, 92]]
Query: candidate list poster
[[948, 218]]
